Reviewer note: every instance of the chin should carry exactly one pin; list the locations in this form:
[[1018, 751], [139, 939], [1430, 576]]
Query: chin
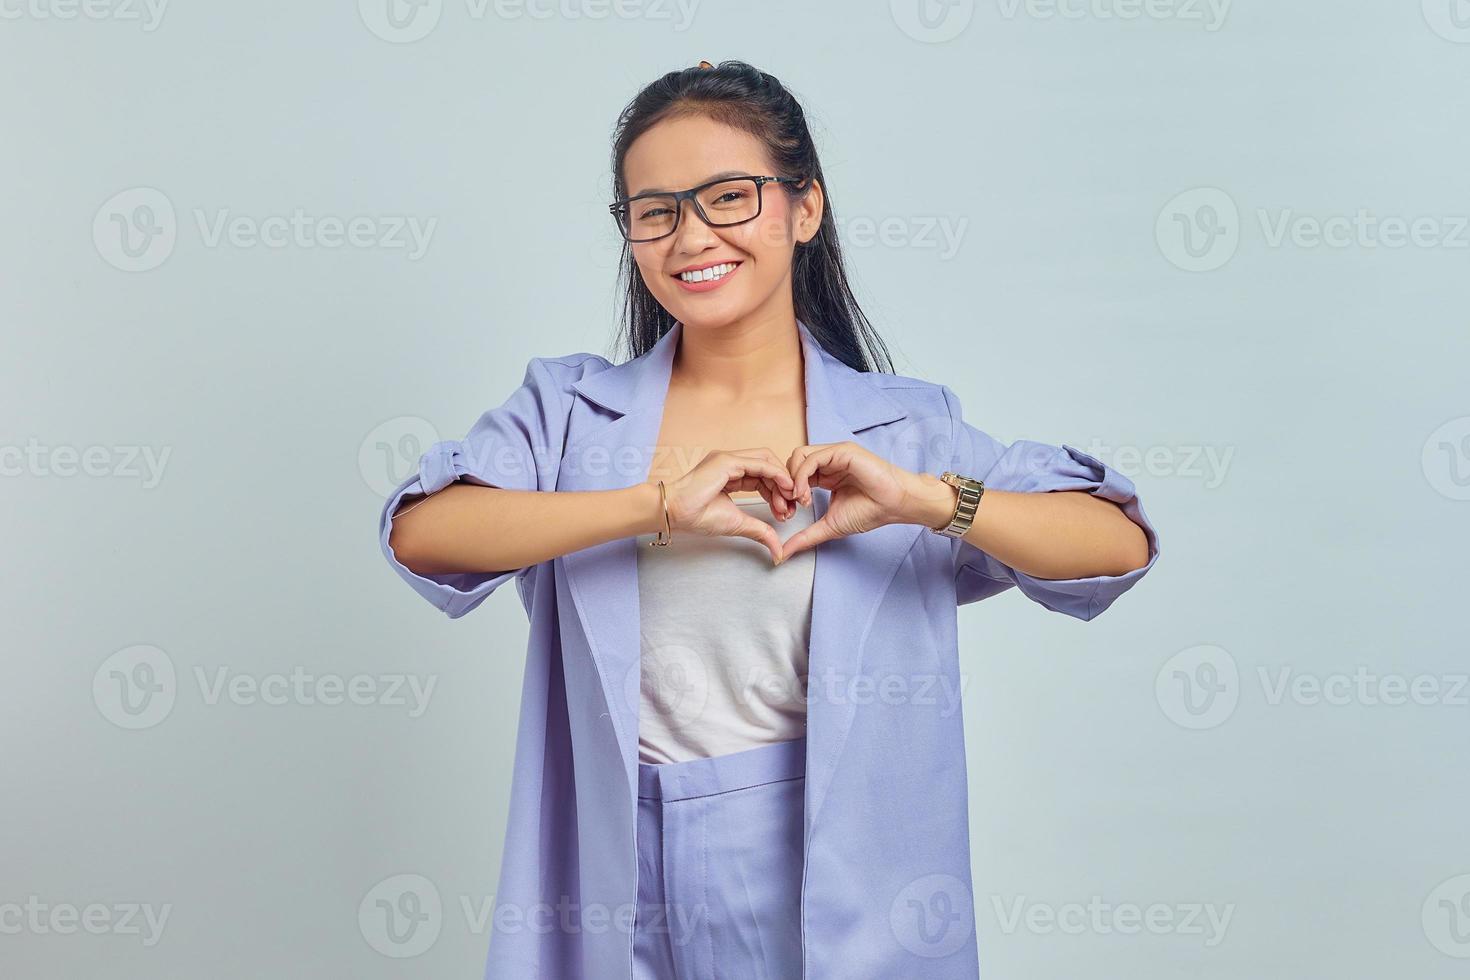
[[710, 319]]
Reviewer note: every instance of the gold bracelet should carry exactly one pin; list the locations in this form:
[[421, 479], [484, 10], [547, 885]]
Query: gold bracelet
[[664, 537]]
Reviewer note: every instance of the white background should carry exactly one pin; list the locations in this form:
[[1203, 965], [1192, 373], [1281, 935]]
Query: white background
[[1068, 150]]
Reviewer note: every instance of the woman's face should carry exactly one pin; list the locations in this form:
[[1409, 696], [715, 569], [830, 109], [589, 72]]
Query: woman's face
[[677, 154]]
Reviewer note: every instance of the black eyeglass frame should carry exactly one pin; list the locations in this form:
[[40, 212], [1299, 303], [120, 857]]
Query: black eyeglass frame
[[621, 206]]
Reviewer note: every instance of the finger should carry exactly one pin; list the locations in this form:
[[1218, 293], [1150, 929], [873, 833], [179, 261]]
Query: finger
[[773, 495], [775, 501], [819, 532], [764, 452], [738, 467], [825, 459], [782, 474], [760, 484], [775, 491], [758, 530], [793, 463]]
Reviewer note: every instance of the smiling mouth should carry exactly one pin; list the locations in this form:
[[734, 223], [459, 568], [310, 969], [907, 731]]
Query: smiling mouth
[[713, 274]]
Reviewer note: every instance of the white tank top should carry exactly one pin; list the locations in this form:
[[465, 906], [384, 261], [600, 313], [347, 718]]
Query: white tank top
[[724, 642]]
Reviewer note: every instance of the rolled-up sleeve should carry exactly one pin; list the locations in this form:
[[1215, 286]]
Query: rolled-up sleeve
[[1027, 466], [516, 446]]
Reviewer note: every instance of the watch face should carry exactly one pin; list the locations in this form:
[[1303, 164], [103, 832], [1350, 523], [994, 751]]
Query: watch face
[[957, 481]]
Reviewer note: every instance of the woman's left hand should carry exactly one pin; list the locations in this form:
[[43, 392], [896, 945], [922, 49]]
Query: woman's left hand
[[867, 492]]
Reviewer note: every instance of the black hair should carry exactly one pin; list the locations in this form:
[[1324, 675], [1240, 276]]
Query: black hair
[[739, 95]]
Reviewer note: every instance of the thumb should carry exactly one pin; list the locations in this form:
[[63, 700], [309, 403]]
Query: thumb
[[810, 536], [758, 530]]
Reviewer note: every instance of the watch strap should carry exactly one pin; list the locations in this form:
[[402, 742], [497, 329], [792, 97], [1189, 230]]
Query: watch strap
[[966, 502]]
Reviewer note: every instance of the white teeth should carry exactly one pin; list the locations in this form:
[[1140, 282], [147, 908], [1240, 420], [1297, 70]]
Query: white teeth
[[705, 275]]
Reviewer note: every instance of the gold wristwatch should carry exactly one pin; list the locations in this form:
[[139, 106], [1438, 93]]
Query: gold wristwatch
[[968, 499]]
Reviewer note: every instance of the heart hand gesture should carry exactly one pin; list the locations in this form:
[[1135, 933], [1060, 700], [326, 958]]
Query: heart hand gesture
[[867, 492]]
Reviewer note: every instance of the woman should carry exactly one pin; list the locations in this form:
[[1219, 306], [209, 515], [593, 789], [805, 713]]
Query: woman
[[740, 752]]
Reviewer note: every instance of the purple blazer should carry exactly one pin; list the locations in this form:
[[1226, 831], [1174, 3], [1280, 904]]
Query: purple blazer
[[887, 890]]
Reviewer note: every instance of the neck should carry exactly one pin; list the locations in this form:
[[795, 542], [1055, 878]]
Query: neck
[[756, 357]]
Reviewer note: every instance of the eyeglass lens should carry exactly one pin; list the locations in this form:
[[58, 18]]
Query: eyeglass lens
[[725, 203]]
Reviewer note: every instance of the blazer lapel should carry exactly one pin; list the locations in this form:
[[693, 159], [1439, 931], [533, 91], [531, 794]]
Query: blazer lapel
[[850, 576]]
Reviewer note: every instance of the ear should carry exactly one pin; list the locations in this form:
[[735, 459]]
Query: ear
[[809, 212]]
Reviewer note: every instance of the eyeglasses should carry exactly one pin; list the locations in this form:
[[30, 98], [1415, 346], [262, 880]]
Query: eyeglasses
[[719, 203]]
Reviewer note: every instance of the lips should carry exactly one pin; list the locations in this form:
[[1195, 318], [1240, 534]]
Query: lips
[[705, 285], [721, 268]]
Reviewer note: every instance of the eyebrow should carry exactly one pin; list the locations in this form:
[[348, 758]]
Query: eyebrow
[[719, 176]]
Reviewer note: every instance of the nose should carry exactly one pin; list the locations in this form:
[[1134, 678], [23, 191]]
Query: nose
[[692, 235]]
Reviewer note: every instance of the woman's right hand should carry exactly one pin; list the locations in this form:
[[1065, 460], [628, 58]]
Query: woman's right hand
[[699, 501]]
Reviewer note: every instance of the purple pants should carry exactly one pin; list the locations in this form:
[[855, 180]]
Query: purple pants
[[720, 866]]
